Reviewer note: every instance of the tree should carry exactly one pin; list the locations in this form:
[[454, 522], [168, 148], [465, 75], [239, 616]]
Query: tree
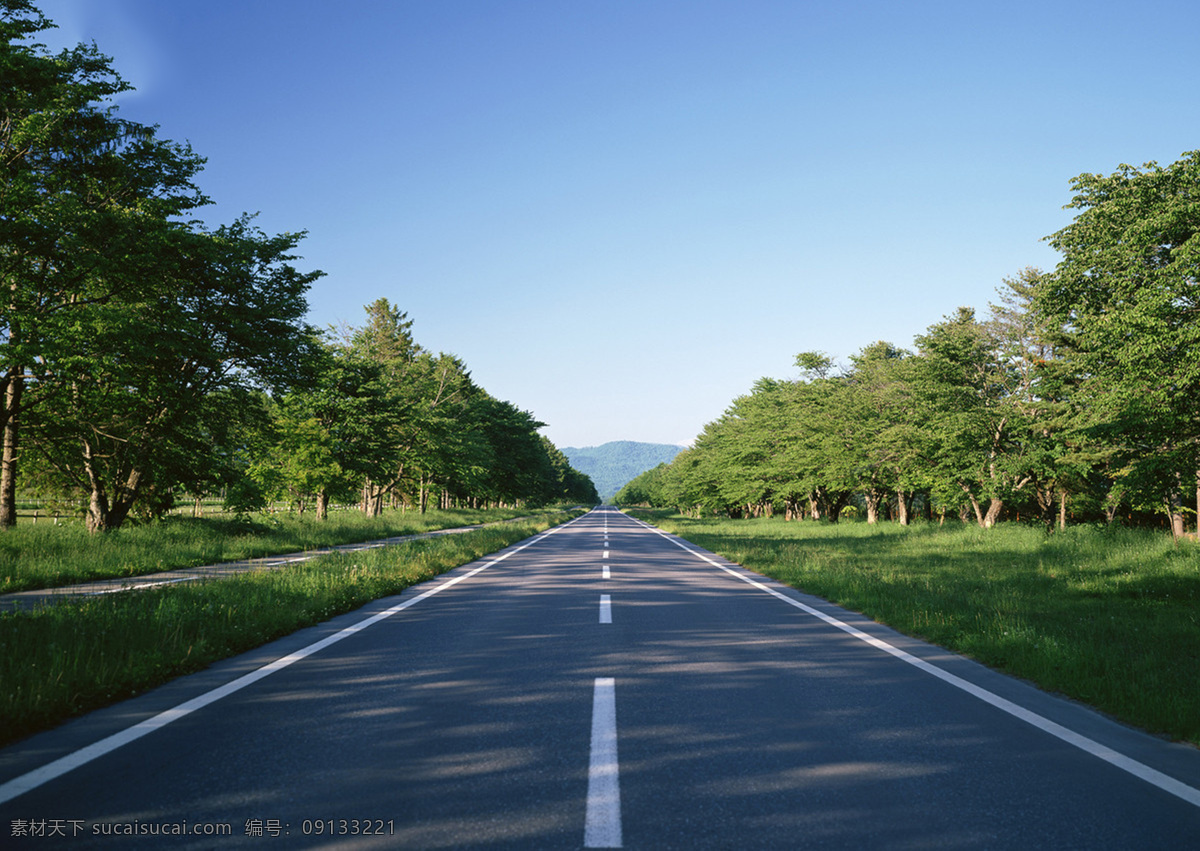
[[974, 399], [1040, 388], [324, 438], [567, 483], [883, 441], [386, 342], [815, 464], [644, 489], [83, 194], [219, 313], [1125, 296], [786, 442]]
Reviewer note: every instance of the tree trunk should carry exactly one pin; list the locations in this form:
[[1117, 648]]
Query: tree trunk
[[97, 516], [901, 507], [105, 512], [1175, 509], [372, 499], [8, 455], [323, 505], [993, 513], [1046, 498], [872, 497], [1062, 507]]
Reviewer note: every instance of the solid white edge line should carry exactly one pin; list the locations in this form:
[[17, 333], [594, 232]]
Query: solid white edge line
[[602, 824], [1138, 769], [39, 776]]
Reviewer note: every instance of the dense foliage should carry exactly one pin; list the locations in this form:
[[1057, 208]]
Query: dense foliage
[[1078, 396], [144, 356]]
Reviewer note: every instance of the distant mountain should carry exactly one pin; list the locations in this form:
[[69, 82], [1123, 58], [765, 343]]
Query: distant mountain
[[612, 465]]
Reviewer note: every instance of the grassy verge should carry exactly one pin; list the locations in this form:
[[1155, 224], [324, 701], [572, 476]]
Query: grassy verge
[[1110, 617], [72, 657], [46, 556]]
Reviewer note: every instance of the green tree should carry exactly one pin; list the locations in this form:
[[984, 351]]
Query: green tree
[[1125, 296], [144, 375], [1040, 388], [975, 400], [884, 444], [567, 483], [413, 388], [816, 463], [84, 197], [325, 434]]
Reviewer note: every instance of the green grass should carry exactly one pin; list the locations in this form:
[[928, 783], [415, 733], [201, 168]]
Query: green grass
[[1110, 617], [65, 659], [43, 555]]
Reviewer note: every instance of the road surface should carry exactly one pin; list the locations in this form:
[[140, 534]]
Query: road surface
[[599, 685]]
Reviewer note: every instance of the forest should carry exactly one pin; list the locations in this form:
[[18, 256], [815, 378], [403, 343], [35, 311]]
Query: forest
[[1075, 399], [146, 359]]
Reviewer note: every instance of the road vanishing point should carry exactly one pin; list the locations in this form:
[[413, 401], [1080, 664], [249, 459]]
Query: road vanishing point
[[599, 685]]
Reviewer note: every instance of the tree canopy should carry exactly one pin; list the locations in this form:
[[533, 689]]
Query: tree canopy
[[144, 355], [1078, 394]]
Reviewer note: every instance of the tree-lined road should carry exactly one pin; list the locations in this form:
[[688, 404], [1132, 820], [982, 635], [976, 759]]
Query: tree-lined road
[[601, 684]]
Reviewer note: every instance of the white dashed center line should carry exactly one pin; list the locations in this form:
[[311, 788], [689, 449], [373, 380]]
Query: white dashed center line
[[602, 828]]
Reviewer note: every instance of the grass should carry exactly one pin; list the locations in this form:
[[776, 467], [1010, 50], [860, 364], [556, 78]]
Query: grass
[[1110, 617], [62, 660], [43, 555]]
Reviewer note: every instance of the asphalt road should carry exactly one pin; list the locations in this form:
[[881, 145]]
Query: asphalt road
[[599, 685]]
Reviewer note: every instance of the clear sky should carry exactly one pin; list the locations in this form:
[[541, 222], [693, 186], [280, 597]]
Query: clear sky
[[621, 213]]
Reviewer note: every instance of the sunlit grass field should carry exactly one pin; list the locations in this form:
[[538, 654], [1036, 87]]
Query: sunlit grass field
[[74, 656], [1107, 616], [44, 555]]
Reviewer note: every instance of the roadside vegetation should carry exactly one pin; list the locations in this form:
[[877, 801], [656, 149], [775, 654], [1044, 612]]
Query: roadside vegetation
[[148, 360], [75, 656], [46, 556], [1076, 399], [1108, 616]]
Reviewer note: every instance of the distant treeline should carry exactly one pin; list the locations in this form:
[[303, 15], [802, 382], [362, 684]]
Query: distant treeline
[[1078, 396], [144, 356]]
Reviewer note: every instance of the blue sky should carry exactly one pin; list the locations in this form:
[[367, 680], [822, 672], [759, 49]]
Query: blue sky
[[621, 214]]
